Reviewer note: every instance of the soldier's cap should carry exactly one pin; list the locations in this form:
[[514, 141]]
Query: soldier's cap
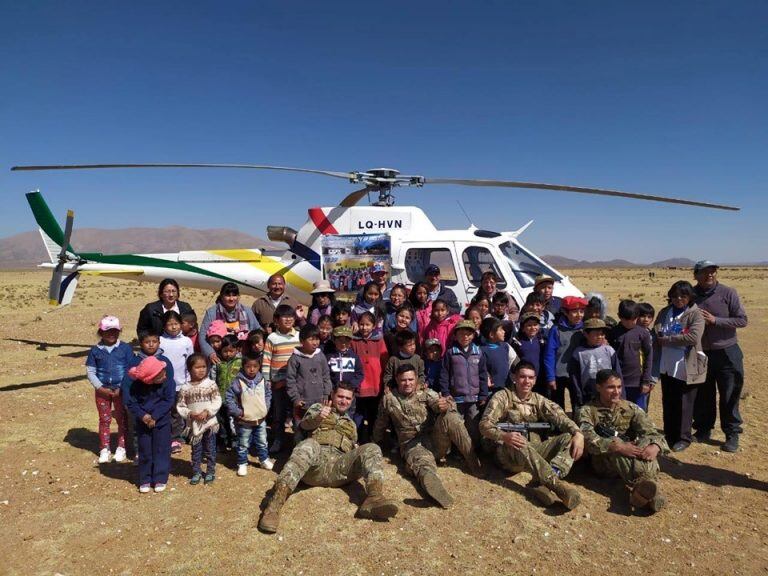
[[595, 324], [530, 316], [573, 303], [542, 279], [702, 264], [432, 342], [465, 325], [342, 332]]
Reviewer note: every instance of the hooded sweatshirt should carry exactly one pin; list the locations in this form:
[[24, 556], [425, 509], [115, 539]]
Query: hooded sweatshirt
[[308, 378]]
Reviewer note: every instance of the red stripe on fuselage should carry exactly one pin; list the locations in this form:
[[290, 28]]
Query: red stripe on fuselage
[[321, 221]]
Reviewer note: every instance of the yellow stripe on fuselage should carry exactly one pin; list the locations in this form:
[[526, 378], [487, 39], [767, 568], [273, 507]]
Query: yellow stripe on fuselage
[[266, 264]]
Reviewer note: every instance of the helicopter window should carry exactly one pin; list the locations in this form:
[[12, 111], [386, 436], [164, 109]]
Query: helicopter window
[[477, 260], [525, 266], [418, 259]]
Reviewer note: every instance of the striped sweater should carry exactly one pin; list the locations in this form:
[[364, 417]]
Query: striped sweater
[[277, 351]]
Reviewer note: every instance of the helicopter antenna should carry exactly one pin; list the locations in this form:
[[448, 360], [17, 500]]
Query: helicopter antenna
[[465, 214]]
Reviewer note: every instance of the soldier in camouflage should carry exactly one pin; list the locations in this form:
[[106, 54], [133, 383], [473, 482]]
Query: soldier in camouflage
[[623, 441], [331, 457], [426, 424], [548, 461]]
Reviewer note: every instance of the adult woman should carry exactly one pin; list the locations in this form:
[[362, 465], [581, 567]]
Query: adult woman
[[238, 319], [488, 287], [151, 316], [680, 360]]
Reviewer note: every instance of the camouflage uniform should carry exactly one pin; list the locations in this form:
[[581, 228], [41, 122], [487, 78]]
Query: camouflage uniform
[[423, 432], [627, 419], [329, 456], [538, 457]]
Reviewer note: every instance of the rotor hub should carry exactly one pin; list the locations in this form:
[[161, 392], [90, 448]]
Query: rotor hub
[[383, 180]]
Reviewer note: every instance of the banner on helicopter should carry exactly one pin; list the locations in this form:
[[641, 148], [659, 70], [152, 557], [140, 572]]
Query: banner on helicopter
[[349, 260]]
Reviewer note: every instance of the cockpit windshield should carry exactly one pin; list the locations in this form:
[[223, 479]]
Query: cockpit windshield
[[525, 266]]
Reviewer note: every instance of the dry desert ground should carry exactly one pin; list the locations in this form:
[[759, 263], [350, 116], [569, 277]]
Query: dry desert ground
[[63, 514]]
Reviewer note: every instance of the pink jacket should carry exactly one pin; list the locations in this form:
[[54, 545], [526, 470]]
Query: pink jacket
[[423, 317], [439, 330]]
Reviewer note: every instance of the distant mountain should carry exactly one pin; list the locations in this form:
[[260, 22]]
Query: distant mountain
[[26, 249], [673, 263], [563, 262]]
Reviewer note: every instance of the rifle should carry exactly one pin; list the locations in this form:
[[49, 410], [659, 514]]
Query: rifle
[[526, 427], [605, 431]]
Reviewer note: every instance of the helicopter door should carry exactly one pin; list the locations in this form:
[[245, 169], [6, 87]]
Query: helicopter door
[[417, 256], [476, 259]]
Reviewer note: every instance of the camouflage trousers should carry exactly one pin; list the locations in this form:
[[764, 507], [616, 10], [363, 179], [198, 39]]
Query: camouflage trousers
[[538, 458], [628, 469], [318, 465], [421, 452]]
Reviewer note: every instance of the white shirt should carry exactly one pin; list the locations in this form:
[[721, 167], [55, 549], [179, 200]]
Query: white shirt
[[673, 357]]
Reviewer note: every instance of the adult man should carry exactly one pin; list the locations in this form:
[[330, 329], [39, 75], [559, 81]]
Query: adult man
[[330, 457], [380, 276], [548, 461], [438, 290], [264, 307], [623, 441], [488, 282], [426, 424], [723, 314], [545, 285]]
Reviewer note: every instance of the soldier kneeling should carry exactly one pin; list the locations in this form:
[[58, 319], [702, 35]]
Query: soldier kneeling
[[623, 441], [330, 457], [548, 461]]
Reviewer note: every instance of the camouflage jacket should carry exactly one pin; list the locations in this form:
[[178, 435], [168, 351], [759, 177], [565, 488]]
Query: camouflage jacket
[[410, 415], [336, 430], [626, 419], [507, 406]]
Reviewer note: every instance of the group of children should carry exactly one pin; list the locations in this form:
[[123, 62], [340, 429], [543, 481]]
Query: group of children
[[173, 393]]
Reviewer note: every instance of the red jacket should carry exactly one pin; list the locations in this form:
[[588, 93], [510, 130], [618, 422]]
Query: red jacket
[[373, 354]]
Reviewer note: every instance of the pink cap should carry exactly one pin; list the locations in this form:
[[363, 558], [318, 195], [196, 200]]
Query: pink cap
[[109, 323], [216, 328], [149, 368]]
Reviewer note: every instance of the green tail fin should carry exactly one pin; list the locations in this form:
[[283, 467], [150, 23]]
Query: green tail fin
[[45, 219]]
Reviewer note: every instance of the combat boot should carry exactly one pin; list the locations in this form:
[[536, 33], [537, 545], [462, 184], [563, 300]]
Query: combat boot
[[567, 494], [541, 494], [434, 487], [270, 518], [376, 506], [646, 494]]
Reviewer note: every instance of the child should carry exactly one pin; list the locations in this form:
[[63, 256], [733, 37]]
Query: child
[[536, 304], [372, 304], [106, 366], [406, 354], [404, 320], [216, 331], [198, 402], [307, 377], [634, 349], [254, 342], [325, 327], [223, 373], [340, 314], [248, 400], [645, 315], [482, 303], [499, 355], [189, 329], [421, 304], [277, 352], [177, 348], [529, 346], [323, 299], [563, 339], [343, 362], [588, 359], [499, 310], [150, 395], [476, 317], [597, 308], [433, 363], [440, 324], [398, 299], [464, 376], [372, 352]]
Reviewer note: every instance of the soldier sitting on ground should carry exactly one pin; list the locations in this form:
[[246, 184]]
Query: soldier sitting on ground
[[548, 461], [330, 457], [623, 441], [426, 424]]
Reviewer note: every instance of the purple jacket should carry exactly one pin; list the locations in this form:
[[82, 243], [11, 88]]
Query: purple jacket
[[464, 374], [724, 304]]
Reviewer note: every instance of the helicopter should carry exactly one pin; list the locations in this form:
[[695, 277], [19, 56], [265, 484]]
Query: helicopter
[[411, 243]]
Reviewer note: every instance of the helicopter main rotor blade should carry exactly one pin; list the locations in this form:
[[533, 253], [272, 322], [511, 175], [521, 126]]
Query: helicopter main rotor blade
[[579, 189], [354, 197], [345, 175]]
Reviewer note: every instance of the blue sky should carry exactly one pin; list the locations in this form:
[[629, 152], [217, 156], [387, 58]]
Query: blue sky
[[659, 97]]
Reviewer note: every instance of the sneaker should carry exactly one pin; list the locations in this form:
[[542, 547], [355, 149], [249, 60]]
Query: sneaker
[[144, 488], [277, 445], [120, 454], [159, 487], [268, 464], [731, 443], [104, 456], [242, 469], [196, 478], [209, 478], [175, 447]]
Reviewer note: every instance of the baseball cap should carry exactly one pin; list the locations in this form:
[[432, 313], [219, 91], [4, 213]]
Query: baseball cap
[[109, 323], [541, 279], [595, 324], [701, 264], [342, 332], [432, 342], [432, 269], [378, 267]]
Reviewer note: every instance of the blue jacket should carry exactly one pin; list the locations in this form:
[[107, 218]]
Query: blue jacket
[[563, 340], [345, 367], [464, 374], [153, 399], [111, 367], [530, 350], [432, 370], [497, 362]]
